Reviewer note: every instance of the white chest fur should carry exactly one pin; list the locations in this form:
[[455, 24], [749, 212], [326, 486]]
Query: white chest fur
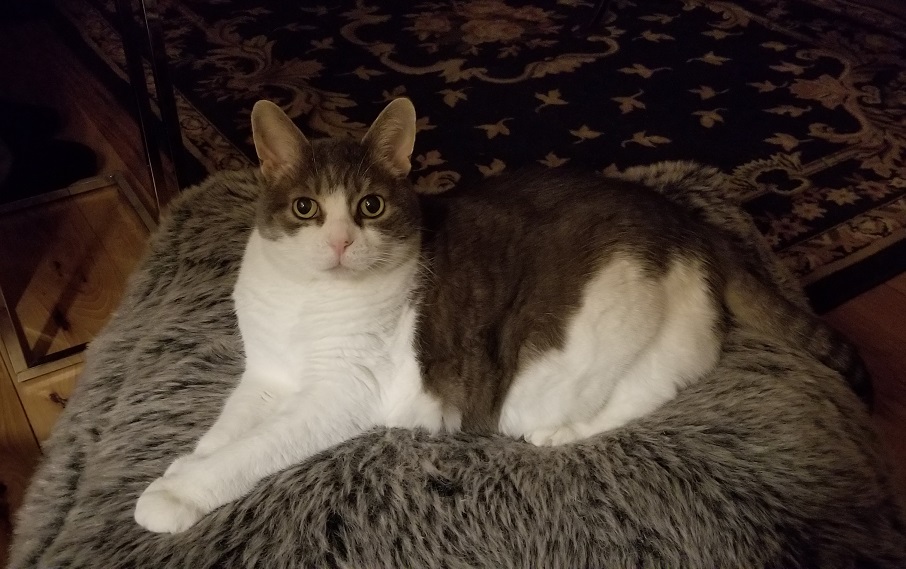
[[354, 332]]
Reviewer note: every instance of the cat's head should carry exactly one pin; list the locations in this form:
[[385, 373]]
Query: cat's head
[[338, 208]]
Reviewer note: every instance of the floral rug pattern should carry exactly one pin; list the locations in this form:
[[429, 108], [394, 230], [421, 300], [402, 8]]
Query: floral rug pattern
[[803, 104]]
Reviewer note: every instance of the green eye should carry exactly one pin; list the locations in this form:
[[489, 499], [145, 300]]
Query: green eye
[[305, 208], [371, 206]]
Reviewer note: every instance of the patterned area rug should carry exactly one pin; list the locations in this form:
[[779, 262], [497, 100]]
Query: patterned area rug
[[803, 103]]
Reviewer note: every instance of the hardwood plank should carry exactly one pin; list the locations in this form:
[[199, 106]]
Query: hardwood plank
[[898, 283], [58, 280], [45, 398], [19, 454], [874, 322], [117, 228]]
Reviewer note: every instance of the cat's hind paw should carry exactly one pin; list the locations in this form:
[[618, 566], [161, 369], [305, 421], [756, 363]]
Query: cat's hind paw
[[553, 436], [161, 509]]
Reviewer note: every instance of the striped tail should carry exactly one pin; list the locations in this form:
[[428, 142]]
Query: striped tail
[[756, 304]]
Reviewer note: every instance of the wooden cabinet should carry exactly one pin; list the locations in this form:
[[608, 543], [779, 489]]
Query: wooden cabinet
[[65, 258]]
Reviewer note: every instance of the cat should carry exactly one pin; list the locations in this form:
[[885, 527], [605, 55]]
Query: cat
[[549, 307]]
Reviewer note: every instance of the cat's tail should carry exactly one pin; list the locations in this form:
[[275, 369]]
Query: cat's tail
[[756, 304]]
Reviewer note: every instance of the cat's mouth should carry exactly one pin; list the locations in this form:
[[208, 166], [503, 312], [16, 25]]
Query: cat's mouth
[[339, 268]]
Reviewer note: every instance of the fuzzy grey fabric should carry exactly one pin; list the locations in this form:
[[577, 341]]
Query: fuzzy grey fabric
[[768, 462]]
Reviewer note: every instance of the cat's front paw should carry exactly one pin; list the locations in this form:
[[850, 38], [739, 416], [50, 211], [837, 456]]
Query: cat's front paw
[[553, 436], [162, 508]]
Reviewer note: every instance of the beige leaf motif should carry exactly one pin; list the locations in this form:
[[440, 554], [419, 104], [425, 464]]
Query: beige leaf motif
[[707, 92], [397, 91], [718, 34], [650, 140], [611, 170], [508, 51], [453, 71], [788, 110], [842, 196], [380, 49], [710, 58], [766, 86], [659, 18], [453, 96], [326, 43], [788, 67], [563, 63], [809, 210], [787, 141], [430, 158], [655, 37], [437, 182], [495, 167], [629, 104], [424, 123], [551, 98], [640, 70], [553, 161], [709, 118], [366, 74], [492, 130], [539, 42], [585, 133], [775, 45]]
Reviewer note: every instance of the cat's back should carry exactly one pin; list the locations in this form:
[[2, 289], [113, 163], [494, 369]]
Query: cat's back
[[563, 212], [519, 263]]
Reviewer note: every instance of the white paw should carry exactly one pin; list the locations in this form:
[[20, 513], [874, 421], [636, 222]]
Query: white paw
[[553, 436], [162, 509]]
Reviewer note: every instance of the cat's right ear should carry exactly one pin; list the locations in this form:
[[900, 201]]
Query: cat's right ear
[[281, 146]]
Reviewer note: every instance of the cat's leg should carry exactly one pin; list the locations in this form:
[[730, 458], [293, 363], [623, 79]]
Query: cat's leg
[[254, 398], [313, 420], [687, 348], [621, 314], [639, 358]]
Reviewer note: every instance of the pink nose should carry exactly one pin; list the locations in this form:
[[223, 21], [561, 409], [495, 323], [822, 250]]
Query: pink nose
[[340, 245]]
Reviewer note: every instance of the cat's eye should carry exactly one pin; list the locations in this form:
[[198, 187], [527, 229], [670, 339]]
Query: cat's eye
[[371, 206], [305, 208]]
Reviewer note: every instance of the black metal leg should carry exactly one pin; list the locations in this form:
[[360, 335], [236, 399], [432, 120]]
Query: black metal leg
[[166, 101], [153, 131]]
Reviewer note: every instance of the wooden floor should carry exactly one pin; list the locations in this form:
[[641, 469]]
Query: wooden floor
[[67, 276], [876, 322], [43, 69]]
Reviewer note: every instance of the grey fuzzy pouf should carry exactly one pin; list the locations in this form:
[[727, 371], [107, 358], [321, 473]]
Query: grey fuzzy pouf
[[768, 462]]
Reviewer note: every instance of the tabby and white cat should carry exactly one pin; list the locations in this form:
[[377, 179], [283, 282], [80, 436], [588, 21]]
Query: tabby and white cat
[[547, 307]]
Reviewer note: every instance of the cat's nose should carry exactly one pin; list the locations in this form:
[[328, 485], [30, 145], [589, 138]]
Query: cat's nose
[[340, 245]]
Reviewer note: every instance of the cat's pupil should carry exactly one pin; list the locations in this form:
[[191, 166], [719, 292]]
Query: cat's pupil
[[305, 208], [372, 205]]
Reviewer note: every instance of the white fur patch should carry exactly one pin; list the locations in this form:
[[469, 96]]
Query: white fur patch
[[632, 345], [326, 359]]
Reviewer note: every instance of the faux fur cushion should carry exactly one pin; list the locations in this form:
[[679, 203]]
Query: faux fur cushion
[[768, 462]]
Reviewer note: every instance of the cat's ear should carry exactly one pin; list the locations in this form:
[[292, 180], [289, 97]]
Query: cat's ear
[[391, 137], [280, 145]]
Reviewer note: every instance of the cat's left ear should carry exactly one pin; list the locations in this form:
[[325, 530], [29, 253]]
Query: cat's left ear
[[391, 137], [281, 146]]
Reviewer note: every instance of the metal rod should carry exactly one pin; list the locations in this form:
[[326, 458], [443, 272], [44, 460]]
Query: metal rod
[[136, 72], [166, 100]]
